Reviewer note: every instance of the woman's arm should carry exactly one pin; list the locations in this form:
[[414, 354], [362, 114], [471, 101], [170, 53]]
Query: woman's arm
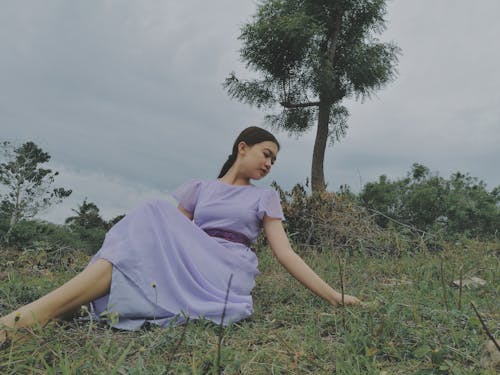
[[280, 246], [185, 212]]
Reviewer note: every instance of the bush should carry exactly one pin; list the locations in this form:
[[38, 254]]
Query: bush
[[335, 221], [85, 231], [458, 206], [91, 238], [27, 234]]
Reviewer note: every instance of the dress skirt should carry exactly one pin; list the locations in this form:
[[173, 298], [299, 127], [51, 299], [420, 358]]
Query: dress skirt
[[166, 269]]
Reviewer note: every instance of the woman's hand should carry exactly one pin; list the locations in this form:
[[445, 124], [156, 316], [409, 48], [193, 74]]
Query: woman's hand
[[348, 300]]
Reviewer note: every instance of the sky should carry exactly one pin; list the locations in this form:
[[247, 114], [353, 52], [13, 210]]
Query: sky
[[127, 98]]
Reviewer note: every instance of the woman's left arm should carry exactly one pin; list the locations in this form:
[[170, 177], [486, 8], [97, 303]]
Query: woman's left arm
[[280, 246]]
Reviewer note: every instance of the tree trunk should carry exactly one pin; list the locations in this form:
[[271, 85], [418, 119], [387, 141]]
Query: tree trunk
[[325, 102], [317, 173], [15, 213], [11, 227]]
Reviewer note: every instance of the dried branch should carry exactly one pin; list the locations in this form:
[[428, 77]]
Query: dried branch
[[485, 327], [443, 285], [461, 276]]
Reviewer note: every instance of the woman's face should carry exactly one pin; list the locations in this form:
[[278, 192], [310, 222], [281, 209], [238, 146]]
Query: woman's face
[[256, 160]]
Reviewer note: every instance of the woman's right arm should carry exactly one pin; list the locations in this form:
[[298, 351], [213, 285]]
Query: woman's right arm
[[294, 264], [188, 214]]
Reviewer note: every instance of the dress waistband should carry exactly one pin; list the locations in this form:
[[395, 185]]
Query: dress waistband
[[229, 235]]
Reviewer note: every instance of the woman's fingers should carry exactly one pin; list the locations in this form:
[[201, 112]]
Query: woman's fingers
[[350, 300]]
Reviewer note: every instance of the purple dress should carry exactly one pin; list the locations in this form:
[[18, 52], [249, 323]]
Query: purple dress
[[167, 268]]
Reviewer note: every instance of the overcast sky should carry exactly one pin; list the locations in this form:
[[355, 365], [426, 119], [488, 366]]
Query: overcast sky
[[127, 98]]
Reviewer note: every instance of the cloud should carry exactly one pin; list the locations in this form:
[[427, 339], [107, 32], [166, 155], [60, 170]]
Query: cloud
[[112, 194]]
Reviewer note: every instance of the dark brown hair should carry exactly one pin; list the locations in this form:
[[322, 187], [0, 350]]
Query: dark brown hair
[[251, 136]]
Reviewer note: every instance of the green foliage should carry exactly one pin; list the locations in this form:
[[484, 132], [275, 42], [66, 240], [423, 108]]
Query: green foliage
[[26, 187], [115, 220], [460, 205], [85, 231], [28, 233], [311, 55], [89, 226], [91, 239], [87, 216], [310, 48]]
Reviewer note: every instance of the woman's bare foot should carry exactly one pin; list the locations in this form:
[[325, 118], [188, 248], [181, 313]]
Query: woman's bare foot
[[91, 283], [5, 332], [9, 324], [4, 339]]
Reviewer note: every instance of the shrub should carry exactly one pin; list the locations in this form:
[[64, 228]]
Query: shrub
[[460, 205], [335, 221], [28, 232]]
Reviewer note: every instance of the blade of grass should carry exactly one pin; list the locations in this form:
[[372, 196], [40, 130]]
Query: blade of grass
[[221, 329], [122, 358]]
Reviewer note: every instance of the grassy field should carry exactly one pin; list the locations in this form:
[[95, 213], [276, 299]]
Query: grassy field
[[414, 321]]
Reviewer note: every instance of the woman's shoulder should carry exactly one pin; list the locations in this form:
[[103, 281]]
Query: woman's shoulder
[[262, 190], [223, 186]]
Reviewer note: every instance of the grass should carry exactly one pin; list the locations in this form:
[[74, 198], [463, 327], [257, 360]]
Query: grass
[[411, 323]]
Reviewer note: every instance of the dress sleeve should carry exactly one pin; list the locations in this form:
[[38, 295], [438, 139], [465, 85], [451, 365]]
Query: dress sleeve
[[270, 205], [187, 194]]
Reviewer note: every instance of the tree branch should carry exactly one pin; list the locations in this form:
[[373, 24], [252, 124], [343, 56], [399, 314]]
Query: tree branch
[[289, 105]]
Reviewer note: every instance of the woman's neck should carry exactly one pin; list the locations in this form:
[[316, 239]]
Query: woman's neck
[[232, 178]]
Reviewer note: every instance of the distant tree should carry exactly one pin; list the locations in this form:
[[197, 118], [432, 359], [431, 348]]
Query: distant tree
[[458, 205], [311, 55], [88, 225], [115, 220], [471, 209], [26, 187], [87, 217]]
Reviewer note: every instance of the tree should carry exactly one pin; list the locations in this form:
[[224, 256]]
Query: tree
[[27, 187], [87, 217], [311, 55], [88, 225]]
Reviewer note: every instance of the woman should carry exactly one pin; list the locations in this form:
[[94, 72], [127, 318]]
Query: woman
[[160, 264]]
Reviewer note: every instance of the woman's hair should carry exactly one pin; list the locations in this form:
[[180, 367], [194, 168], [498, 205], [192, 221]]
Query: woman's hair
[[251, 136]]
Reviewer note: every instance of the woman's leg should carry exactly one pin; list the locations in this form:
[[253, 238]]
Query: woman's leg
[[91, 283]]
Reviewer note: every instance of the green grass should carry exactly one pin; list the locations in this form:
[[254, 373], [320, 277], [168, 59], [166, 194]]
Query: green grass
[[405, 327]]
